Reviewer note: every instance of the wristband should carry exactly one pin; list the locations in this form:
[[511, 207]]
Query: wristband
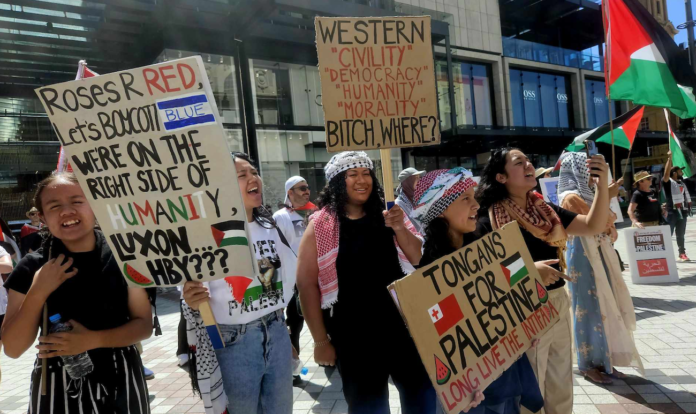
[[324, 342]]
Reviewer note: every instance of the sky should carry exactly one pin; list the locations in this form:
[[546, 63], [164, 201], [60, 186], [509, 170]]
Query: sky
[[677, 15]]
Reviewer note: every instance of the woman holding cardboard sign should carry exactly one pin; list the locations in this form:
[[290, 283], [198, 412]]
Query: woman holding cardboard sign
[[76, 276], [506, 194], [255, 366], [352, 250], [447, 210], [604, 318]]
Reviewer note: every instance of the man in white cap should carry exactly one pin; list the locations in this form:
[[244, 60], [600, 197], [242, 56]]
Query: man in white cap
[[291, 221], [408, 179]]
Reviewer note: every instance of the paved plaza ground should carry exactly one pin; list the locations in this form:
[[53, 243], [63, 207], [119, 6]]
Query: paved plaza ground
[[665, 337]]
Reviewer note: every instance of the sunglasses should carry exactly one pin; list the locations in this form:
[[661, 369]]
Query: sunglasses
[[302, 188]]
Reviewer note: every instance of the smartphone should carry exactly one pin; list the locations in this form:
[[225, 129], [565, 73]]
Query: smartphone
[[591, 149]]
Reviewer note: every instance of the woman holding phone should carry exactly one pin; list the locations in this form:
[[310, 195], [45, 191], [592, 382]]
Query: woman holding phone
[[506, 194]]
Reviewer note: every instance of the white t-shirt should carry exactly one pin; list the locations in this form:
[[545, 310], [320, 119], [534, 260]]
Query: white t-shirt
[[3, 291], [277, 265], [292, 225]]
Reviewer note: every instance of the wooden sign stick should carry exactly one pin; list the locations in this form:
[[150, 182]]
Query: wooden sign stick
[[44, 362], [211, 325], [387, 181]]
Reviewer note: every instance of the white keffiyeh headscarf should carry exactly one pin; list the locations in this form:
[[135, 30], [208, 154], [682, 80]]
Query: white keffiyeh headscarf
[[436, 190], [574, 177], [344, 161]]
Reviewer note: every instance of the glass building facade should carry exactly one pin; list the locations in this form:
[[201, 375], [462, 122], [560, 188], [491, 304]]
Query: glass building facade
[[540, 99], [596, 103], [472, 94]]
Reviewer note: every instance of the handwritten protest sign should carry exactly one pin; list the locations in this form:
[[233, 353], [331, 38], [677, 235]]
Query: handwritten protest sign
[[651, 255], [377, 82], [149, 152], [474, 312]]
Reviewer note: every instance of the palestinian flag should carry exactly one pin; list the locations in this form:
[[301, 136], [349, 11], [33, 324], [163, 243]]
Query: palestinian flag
[[643, 64], [229, 233], [514, 269], [625, 128], [681, 154]]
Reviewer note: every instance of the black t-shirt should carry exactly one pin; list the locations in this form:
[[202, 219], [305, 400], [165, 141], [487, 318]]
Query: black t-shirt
[[367, 263], [539, 249], [647, 206], [96, 297]]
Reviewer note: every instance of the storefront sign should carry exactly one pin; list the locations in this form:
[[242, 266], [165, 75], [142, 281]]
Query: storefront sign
[[149, 151], [377, 82], [474, 312], [651, 255]]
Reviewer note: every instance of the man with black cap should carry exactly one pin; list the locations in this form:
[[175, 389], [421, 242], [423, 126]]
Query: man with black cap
[[408, 179], [678, 203]]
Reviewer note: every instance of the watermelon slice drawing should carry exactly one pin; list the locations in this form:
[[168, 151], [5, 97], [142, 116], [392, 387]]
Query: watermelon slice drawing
[[135, 276], [442, 373], [542, 293], [239, 285]]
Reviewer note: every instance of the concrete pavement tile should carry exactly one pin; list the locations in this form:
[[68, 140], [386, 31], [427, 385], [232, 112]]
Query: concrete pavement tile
[[629, 399], [638, 409], [585, 409], [161, 409], [656, 398], [603, 399], [684, 379], [582, 399], [682, 397], [666, 408], [688, 407], [341, 407], [181, 408], [620, 389], [595, 390], [611, 409], [670, 388], [645, 389], [661, 380]]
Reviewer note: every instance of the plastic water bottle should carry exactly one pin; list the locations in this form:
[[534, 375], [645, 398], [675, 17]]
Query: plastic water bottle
[[79, 365]]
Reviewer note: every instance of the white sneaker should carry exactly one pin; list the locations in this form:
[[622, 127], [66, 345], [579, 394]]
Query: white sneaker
[[183, 359]]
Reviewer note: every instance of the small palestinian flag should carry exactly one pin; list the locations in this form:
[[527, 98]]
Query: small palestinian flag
[[643, 64], [625, 127], [229, 233], [514, 269], [681, 154]]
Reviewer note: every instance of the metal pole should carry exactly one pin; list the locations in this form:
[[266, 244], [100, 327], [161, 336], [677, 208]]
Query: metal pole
[[450, 85], [690, 32]]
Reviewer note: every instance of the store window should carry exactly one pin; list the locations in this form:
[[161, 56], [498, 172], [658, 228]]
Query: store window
[[286, 94], [221, 74], [443, 95], [540, 99], [596, 103], [472, 93]]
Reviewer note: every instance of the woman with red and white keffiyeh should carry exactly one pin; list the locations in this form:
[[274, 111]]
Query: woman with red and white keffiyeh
[[351, 251]]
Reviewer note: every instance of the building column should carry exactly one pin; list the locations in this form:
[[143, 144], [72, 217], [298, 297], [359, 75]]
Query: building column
[[246, 100]]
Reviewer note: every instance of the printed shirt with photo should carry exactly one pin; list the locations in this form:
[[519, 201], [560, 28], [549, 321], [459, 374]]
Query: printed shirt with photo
[[292, 225], [3, 291], [277, 264]]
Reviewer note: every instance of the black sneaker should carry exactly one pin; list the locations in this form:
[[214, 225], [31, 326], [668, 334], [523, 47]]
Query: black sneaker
[[297, 381]]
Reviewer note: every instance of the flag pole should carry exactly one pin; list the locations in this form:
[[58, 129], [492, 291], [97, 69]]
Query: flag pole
[[611, 131], [607, 78]]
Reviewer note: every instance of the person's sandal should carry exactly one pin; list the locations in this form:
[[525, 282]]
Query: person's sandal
[[598, 379]]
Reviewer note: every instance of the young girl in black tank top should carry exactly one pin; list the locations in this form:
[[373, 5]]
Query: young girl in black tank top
[[75, 275]]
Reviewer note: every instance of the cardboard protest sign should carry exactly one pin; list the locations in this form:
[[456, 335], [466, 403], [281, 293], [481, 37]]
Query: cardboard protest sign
[[149, 151], [377, 82], [651, 255], [474, 312]]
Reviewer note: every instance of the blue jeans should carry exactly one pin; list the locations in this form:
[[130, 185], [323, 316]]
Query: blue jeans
[[256, 366]]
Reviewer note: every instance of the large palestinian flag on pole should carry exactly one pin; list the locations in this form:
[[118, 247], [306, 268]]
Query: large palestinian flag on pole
[[625, 128], [643, 64], [681, 154]]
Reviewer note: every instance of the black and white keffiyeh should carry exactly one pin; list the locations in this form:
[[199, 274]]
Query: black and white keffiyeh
[[344, 161], [575, 177], [207, 377]]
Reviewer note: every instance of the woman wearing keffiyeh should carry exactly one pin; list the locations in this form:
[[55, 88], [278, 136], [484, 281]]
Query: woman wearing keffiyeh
[[506, 193], [351, 251], [603, 314], [447, 209]]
